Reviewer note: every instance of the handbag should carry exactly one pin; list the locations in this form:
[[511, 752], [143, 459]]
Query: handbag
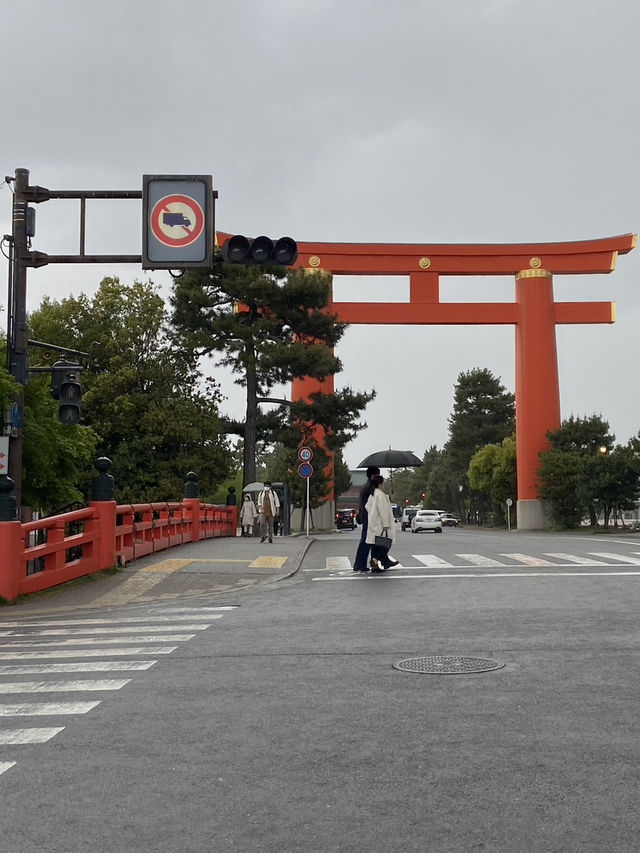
[[383, 541]]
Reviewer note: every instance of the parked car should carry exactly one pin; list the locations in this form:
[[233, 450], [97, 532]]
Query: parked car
[[426, 519], [407, 514], [346, 519], [449, 520]]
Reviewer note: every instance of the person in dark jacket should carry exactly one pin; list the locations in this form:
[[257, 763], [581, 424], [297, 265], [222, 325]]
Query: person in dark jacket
[[362, 554]]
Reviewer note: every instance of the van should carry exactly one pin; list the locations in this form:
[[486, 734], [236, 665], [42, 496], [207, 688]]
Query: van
[[407, 515]]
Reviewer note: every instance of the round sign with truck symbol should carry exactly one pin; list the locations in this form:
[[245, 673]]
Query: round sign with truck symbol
[[177, 220]]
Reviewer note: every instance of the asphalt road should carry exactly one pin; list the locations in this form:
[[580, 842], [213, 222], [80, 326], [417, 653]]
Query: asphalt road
[[281, 724]]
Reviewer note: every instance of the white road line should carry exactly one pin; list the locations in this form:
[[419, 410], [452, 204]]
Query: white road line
[[85, 666], [5, 765], [46, 709], [125, 620], [432, 562], [357, 576], [581, 560], [528, 560], [102, 641], [127, 629], [63, 686], [88, 653], [22, 736], [479, 560], [634, 561]]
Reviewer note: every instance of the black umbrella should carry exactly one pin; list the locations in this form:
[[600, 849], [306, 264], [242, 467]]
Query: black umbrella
[[391, 459]]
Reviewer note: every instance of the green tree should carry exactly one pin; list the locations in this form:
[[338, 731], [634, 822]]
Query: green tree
[[155, 416], [269, 326], [493, 470], [483, 413], [584, 473]]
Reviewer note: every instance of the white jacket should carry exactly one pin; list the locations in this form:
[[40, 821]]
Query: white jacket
[[273, 500], [248, 513], [380, 517]]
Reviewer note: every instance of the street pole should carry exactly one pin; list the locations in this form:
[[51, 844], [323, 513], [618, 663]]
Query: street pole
[[18, 329]]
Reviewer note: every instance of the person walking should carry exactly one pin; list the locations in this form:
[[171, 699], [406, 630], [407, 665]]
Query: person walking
[[248, 515], [362, 552], [269, 509], [381, 523]]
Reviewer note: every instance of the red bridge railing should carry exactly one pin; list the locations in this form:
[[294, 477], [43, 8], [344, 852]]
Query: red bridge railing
[[41, 554]]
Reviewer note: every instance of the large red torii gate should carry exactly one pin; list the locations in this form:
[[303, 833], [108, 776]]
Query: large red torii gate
[[534, 314]]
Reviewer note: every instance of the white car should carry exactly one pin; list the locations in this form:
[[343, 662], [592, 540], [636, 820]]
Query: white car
[[426, 519]]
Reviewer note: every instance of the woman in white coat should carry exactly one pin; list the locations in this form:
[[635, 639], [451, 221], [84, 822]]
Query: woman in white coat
[[381, 523], [248, 515]]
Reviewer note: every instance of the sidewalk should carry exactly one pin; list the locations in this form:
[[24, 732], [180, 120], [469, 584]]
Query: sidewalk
[[209, 567]]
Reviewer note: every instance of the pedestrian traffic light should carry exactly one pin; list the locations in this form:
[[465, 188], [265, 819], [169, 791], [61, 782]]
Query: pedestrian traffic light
[[67, 390], [261, 250]]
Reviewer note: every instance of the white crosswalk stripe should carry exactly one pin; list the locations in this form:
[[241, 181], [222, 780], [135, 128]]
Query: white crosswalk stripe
[[63, 686], [83, 666], [45, 709], [479, 560], [432, 562], [11, 737], [58, 648], [102, 641], [582, 560], [528, 560], [634, 561]]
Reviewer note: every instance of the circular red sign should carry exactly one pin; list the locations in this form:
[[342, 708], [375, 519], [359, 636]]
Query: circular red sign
[[177, 220]]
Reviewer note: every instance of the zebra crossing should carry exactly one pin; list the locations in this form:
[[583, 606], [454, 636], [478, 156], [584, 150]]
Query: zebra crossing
[[338, 567], [82, 657]]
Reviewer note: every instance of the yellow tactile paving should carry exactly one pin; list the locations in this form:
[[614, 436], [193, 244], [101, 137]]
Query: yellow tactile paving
[[167, 566], [268, 563]]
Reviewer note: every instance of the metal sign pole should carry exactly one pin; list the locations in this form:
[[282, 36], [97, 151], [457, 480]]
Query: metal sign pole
[[308, 507]]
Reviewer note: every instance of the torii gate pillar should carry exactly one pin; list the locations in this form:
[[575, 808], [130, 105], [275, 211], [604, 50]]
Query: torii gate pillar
[[537, 389]]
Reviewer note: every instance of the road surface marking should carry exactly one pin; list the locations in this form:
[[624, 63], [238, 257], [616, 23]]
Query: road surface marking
[[62, 686], [22, 736], [86, 666], [121, 621], [87, 653], [585, 560], [5, 765], [479, 560], [46, 709], [167, 566], [99, 641], [528, 560], [358, 576], [635, 561], [432, 562], [105, 630]]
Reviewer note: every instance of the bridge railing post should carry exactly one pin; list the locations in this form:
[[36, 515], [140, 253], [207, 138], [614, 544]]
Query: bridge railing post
[[104, 513], [191, 503], [11, 543]]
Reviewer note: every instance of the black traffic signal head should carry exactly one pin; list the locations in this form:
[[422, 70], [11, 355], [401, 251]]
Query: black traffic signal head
[[67, 390], [261, 250]]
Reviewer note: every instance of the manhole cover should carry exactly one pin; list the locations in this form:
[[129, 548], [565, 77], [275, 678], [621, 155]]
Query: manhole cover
[[439, 665]]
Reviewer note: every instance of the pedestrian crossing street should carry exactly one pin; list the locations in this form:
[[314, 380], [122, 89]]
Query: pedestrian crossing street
[[340, 567], [81, 660]]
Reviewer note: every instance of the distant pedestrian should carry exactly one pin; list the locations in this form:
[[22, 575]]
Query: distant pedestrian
[[362, 553], [269, 509], [232, 498], [248, 516], [381, 523]]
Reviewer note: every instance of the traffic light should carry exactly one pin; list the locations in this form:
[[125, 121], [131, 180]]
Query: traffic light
[[67, 390], [261, 250]]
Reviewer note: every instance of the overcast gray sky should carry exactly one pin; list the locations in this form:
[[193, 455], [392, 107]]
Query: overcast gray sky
[[454, 121]]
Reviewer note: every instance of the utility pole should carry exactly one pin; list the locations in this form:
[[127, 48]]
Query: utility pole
[[18, 330]]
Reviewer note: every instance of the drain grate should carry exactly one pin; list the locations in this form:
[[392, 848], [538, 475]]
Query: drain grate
[[440, 665]]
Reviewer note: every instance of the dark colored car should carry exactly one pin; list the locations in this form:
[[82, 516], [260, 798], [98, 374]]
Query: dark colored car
[[346, 519]]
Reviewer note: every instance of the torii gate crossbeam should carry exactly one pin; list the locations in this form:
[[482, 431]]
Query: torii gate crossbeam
[[534, 313]]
